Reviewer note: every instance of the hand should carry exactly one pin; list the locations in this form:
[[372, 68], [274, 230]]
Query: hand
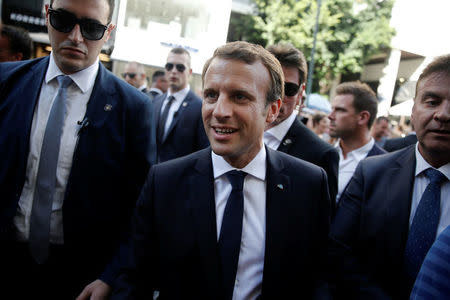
[[97, 290]]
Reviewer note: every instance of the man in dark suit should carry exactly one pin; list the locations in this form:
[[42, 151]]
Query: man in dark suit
[[267, 240], [159, 84], [396, 204], [134, 74], [395, 144], [287, 133], [354, 109], [178, 112], [76, 145]]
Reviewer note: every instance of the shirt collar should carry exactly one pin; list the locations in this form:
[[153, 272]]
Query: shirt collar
[[359, 153], [144, 86], [422, 164], [180, 95], [84, 79], [280, 130], [256, 168]]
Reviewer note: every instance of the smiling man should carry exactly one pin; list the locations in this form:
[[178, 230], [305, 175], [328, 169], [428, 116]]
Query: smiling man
[[236, 220], [178, 112], [77, 144], [397, 204]]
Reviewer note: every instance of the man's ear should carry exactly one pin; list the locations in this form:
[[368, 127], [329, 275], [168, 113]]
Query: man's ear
[[274, 109], [364, 117]]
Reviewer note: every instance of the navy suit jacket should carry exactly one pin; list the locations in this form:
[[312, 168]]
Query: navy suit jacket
[[302, 143], [175, 235], [110, 163], [399, 143], [186, 133], [369, 232]]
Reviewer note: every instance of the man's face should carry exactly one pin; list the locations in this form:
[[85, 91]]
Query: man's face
[[289, 102], [343, 117], [178, 80], [380, 129], [234, 109], [72, 51], [162, 84], [133, 76], [431, 118]]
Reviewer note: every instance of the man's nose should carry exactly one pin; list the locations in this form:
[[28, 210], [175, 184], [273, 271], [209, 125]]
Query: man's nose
[[75, 35]]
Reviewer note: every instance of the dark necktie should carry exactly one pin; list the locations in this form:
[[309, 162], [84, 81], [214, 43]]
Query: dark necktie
[[163, 118], [423, 229], [231, 232], [39, 238]]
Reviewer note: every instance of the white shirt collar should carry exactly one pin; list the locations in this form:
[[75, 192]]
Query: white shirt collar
[[84, 79], [279, 131], [180, 95], [359, 153], [142, 87], [422, 164], [256, 168]]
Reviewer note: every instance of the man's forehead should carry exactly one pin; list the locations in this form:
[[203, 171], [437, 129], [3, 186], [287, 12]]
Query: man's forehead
[[74, 6], [435, 82]]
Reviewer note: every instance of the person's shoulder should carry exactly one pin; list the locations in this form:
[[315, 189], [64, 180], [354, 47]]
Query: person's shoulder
[[291, 163], [193, 97], [9, 69], [388, 160], [182, 164], [307, 138]]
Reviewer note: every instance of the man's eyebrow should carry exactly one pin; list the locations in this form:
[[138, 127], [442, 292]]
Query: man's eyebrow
[[429, 94]]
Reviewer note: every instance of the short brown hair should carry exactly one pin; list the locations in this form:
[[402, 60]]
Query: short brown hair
[[110, 4], [318, 117], [364, 98], [440, 64], [289, 56], [251, 53]]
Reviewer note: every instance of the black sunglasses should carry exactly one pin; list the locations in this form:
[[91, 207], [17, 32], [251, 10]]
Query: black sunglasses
[[290, 89], [131, 75], [65, 21], [180, 67]]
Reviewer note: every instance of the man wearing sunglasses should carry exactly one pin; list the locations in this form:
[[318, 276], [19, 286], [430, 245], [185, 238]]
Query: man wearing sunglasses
[[76, 145], [287, 133], [178, 112], [134, 74]]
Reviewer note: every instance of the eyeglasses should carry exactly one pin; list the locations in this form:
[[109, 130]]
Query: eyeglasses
[[180, 67], [131, 75], [65, 21], [290, 89]]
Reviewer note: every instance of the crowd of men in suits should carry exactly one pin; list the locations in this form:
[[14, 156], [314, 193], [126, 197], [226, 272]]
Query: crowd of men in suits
[[108, 194]]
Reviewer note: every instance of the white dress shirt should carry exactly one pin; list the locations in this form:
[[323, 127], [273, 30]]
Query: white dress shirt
[[347, 166], [251, 256], [179, 97], [275, 135], [420, 184], [78, 94]]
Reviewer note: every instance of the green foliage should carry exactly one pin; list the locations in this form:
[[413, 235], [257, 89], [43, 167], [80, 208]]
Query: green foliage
[[350, 32]]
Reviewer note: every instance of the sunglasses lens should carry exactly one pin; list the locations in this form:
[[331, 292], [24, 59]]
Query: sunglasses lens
[[169, 66], [131, 75], [181, 68], [290, 89], [62, 21], [92, 30]]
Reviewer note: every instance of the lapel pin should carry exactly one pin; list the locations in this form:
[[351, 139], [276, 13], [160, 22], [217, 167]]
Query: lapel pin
[[280, 186], [287, 142], [184, 104], [107, 107]]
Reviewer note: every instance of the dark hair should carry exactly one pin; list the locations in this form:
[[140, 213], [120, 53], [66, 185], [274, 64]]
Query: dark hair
[[179, 50], [289, 56], [381, 118], [251, 53], [157, 74], [364, 98], [317, 118], [111, 4], [19, 40], [440, 64]]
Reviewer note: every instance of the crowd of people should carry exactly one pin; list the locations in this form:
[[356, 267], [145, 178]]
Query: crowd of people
[[122, 189]]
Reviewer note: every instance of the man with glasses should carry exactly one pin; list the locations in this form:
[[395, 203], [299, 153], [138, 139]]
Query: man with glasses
[[76, 145], [178, 112], [287, 133], [134, 74]]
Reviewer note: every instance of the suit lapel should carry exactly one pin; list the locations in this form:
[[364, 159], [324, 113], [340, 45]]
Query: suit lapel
[[178, 113], [289, 138], [103, 99], [204, 217], [277, 188]]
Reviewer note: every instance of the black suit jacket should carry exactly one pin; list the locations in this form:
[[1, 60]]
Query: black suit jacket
[[302, 143], [369, 232], [111, 160], [186, 133], [399, 143], [175, 237]]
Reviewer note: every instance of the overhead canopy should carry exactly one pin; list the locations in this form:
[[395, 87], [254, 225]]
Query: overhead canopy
[[402, 109]]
